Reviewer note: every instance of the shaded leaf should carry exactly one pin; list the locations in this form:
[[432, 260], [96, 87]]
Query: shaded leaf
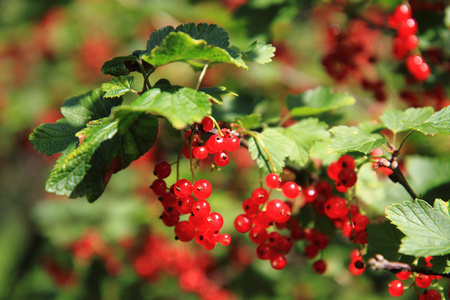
[[118, 86], [441, 264], [211, 33], [427, 228], [251, 121], [347, 139], [117, 66], [217, 92], [269, 143], [316, 101], [394, 118]]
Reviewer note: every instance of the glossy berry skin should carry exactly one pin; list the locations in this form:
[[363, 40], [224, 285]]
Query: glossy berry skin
[[346, 161], [159, 187], [207, 124], [403, 275], [273, 181], [201, 209], [250, 207], [215, 221], [202, 189], [336, 207], [215, 144], [243, 223], [200, 152], [423, 281], [309, 193], [162, 169], [396, 288], [430, 295], [264, 251], [258, 235], [182, 188], [184, 205], [347, 177], [260, 195], [278, 261], [274, 238], [225, 239], [276, 209], [232, 143], [221, 159], [184, 231], [290, 190], [319, 266], [417, 67]]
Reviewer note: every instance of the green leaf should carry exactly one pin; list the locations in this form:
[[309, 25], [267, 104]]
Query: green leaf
[[182, 106], [385, 239], [441, 264], [394, 119], [217, 92], [81, 109], [158, 36], [269, 143], [347, 139], [51, 138], [118, 65], [438, 123], [259, 52], [302, 136], [251, 121], [180, 46], [118, 86], [427, 228], [317, 101]]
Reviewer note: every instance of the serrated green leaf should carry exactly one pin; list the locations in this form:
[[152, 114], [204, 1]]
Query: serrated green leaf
[[118, 86], [81, 109], [394, 118], [211, 33], [302, 136], [182, 106], [316, 101], [180, 46], [269, 143], [117, 66], [217, 92], [158, 36], [427, 228], [347, 139], [259, 52], [438, 123], [251, 121], [51, 138], [385, 239]]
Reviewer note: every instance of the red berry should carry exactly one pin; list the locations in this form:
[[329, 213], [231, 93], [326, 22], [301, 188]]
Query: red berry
[[336, 207], [243, 223], [396, 288], [258, 235], [170, 220], [290, 189], [262, 220], [347, 177], [159, 187], [264, 251], [184, 231], [402, 12], [309, 193], [215, 144], [319, 266], [162, 169], [260, 195], [273, 181], [285, 244], [346, 161], [333, 170], [202, 189], [276, 210], [407, 28], [356, 268], [311, 251], [403, 275], [274, 238], [215, 221], [232, 143], [430, 295], [250, 207], [221, 159], [225, 239], [184, 205], [207, 124], [201, 209], [278, 261], [182, 188], [423, 281], [200, 152]]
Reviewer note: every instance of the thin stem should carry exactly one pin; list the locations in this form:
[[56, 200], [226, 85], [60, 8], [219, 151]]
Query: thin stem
[[398, 176], [147, 85], [216, 125], [200, 78], [404, 140], [284, 119], [255, 136]]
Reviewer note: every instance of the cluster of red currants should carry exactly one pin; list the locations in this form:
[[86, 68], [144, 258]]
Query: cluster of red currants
[[406, 41], [343, 173], [260, 214]]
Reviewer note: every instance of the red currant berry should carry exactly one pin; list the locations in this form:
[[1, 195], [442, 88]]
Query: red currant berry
[[184, 231], [260, 195], [336, 207], [170, 220], [273, 181], [232, 143], [207, 124], [187, 150], [201, 209], [395, 288], [202, 189], [347, 177], [319, 266], [403, 275], [309, 193], [162, 169], [200, 152], [215, 221], [212, 236], [356, 268], [215, 144], [262, 220], [258, 235], [250, 207], [407, 28], [311, 251], [402, 12], [333, 170], [159, 187], [346, 161], [276, 209], [225, 239], [184, 205], [221, 159], [290, 189], [243, 223], [274, 238], [285, 244], [264, 251], [182, 188], [199, 223], [278, 261], [430, 295], [423, 281]]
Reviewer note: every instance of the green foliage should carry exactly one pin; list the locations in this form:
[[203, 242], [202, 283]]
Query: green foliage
[[317, 101], [118, 86], [353, 139], [427, 228], [394, 118], [52, 138], [118, 65], [259, 52], [438, 123]]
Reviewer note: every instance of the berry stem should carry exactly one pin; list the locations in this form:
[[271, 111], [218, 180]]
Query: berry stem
[[260, 143], [200, 78], [147, 84], [403, 141]]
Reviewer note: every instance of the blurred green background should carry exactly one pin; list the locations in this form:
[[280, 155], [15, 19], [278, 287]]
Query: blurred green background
[[53, 50]]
